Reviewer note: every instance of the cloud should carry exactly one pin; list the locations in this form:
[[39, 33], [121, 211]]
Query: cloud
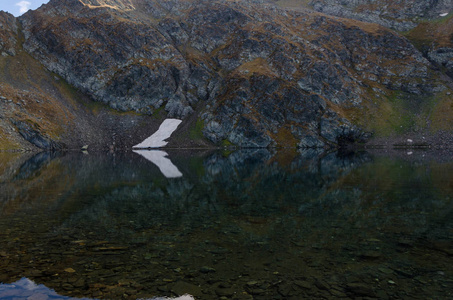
[[24, 6]]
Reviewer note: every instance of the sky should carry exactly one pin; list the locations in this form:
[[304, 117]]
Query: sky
[[19, 7]]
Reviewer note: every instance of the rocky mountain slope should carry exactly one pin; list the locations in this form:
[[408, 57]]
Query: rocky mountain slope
[[399, 15], [435, 40], [8, 34], [237, 72], [428, 24], [38, 109]]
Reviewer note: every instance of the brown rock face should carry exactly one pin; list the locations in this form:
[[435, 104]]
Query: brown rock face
[[399, 15], [8, 34], [113, 4], [254, 74]]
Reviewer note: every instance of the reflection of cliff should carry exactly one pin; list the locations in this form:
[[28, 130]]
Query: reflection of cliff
[[254, 182], [119, 226], [27, 289], [245, 183], [27, 184], [407, 193], [54, 184], [131, 194], [319, 187]]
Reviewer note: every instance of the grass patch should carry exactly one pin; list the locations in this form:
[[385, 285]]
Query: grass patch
[[285, 138], [158, 112], [66, 89], [196, 132], [400, 113], [431, 33], [406, 123], [75, 96], [226, 143], [7, 144], [256, 67], [441, 117]]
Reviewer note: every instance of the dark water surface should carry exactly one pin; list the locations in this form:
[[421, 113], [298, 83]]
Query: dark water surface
[[246, 225]]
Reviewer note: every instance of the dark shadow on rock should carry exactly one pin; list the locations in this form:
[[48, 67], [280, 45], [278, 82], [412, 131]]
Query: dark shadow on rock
[[36, 138]]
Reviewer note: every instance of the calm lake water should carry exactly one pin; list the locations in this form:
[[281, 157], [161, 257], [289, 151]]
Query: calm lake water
[[251, 224]]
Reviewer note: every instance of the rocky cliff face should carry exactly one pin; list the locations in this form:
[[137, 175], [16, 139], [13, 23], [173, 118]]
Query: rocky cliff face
[[38, 109], [435, 41], [8, 34], [399, 15], [427, 23], [253, 74]]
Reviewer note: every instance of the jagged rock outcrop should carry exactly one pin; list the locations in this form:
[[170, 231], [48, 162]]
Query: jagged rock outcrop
[[34, 136], [114, 4], [256, 75], [435, 41], [8, 34], [428, 23], [398, 15], [444, 57]]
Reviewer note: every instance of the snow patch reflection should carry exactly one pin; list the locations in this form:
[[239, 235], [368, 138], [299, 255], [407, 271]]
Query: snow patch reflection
[[27, 289], [159, 158]]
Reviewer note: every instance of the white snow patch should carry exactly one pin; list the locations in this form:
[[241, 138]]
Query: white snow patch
[[159, 158], [443, 15], [157, 140]]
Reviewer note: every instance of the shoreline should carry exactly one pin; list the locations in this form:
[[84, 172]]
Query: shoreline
[[440, 141]]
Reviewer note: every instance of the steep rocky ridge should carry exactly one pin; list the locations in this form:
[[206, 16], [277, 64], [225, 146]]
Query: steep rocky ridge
[[8, 34], [399, 15], [39, 109], [114, 4], [435, 40], [426, 23], [240, 72]]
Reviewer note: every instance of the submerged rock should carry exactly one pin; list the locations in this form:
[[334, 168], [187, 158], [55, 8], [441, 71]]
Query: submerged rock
[[181, 288]]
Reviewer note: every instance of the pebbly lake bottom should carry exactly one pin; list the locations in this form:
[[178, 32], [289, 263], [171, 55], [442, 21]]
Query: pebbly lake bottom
[[251, 224]]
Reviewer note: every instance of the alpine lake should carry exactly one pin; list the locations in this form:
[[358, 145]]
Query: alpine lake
[[244, 224]]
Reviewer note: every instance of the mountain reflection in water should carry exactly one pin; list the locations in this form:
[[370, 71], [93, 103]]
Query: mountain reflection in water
[[28, 290], [247, 225]]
